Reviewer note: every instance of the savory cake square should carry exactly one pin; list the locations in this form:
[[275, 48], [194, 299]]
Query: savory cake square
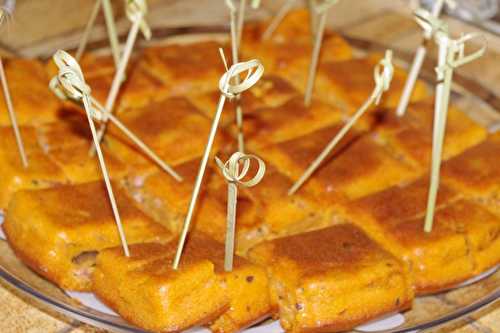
[[59, 231], [318, 278], [140, 87], [167, 127], [41, 172], [29, 135], [270, 125], [396, 203], [186, 68], [349, 83], [33, 102], [357, 167], [443, 258], [475, 172], [293, 156], [79, 167], [201, 292], [71, 131], [167, 200], [411, 139]]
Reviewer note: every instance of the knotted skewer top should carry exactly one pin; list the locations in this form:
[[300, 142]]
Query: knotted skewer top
[[383, 74], [234, 174], [70, 82], [230, 87], [136, 11], [456, 47]]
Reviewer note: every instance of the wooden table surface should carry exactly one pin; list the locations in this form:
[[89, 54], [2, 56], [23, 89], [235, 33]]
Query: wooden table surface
[[387, 22]]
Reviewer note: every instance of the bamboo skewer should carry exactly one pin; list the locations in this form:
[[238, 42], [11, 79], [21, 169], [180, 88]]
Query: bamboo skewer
[[383, 75], [313, 18], [234, 177], [241, 21], [451, 56], [278, 18], [88, 29], [136, 11], [228, 89], [73, 84], [235, 54], [418, 60], [321, 11], [111, 27]]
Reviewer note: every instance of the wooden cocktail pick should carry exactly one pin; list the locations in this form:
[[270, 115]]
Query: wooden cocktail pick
[[235, 54], [451, 55], [110, 25], [72, 83], [321, 10], [235, 170], [100, 113], [136, 11], [6, 11], [275, 22], [241, 16], [383, 74], [418, 60], [229, 88]]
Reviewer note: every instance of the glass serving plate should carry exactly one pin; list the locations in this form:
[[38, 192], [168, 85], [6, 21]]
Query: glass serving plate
[[427, 312]]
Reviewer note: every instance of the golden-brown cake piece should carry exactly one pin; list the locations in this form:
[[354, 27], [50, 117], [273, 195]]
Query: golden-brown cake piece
[[186, 68], [29, 136], [271, 125], [475, 172], [396, 203], [200, 292], [59, 231], [173, 128], [319, 277], [33, 102], [71, 131], [450, 253], [411, 138], [40, 173], [361, 168], [482, 231], [167, 200], [349, 83], [79, 167], [293, 156], [140, 87], [146, 291]]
